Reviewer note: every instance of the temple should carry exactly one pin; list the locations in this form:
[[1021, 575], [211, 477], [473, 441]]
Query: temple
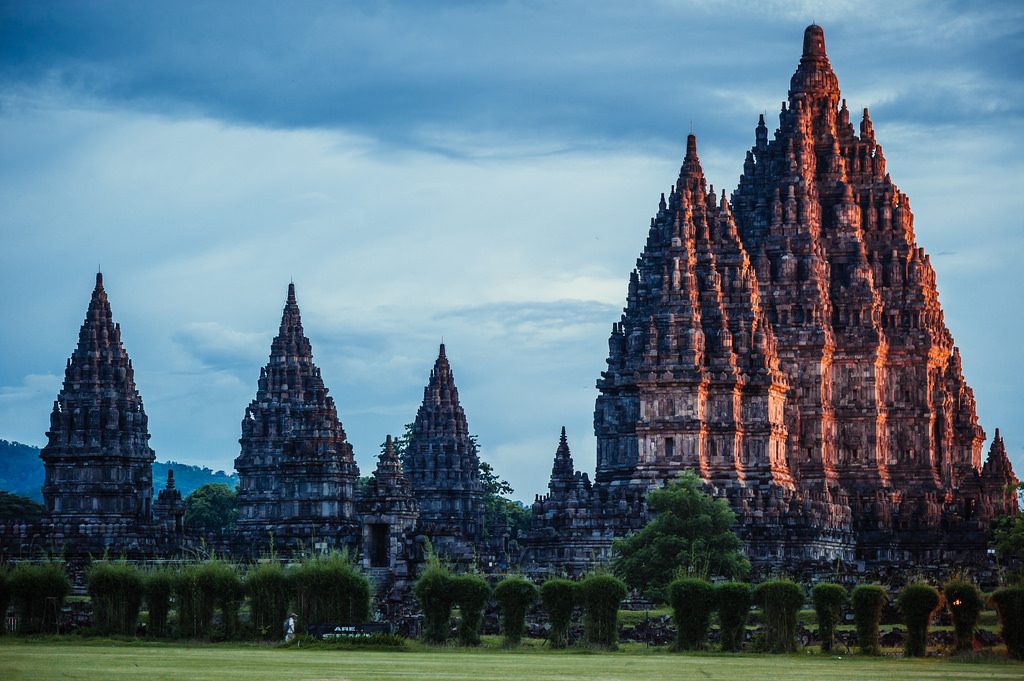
[[296, 469], [789, 346], [441, 463]]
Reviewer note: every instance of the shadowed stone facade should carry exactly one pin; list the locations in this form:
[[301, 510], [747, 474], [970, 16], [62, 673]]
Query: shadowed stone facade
[[296, 470], [791, 349]]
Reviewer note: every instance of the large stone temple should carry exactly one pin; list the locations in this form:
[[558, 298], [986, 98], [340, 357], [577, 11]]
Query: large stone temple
[[789, 346]]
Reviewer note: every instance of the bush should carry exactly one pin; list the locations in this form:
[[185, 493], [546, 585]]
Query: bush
[[600, 594], [559, 599], [220, 587], [194, 613], [732, 600], [868, 600], [38, 592], [829, 600], [965, 605], [515, 596], [116, 591], [267, 586], [5, 597], [433, 590], [471, 594], [781, 600], [692, 601], [1009, 604], [158, 586], [918, 602], [329, 589]]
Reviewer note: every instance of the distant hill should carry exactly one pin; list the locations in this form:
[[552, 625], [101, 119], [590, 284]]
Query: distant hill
[[21, 472]]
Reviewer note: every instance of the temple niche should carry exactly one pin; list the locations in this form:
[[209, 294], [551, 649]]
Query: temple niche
[[296, 469], [789, 346]]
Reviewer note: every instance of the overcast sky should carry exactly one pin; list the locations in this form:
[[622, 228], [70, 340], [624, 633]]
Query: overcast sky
[[482, 172]]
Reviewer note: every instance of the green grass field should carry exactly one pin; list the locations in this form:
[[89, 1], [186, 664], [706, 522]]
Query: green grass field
[[42, 660]]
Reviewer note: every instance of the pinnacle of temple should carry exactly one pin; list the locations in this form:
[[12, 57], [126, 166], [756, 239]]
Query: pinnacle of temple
[[97, 457], [388, 480], [852, 299], [564, 477], [296, 468], [692, 352], [441, 461]]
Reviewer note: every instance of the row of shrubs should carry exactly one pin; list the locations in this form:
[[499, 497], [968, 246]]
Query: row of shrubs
[[694, 600], [330, 589], [322, 589], [438, 591]]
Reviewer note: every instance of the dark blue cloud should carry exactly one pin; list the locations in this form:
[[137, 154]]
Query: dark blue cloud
[[402, 72]]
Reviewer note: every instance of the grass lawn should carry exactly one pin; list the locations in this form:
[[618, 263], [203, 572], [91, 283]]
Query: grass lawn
[[70, 659]]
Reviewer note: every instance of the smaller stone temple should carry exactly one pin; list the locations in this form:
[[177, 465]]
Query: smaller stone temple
[[389, 514], [443, 467], [573, 526], [169, 510], [296, 468]]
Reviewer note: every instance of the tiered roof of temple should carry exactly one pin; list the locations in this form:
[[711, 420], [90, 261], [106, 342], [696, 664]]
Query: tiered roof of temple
[[296, 469], [442, 465]]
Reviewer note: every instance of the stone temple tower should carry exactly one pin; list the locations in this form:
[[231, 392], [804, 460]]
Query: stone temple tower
[[99, 476], [296, 469], [442, 465]]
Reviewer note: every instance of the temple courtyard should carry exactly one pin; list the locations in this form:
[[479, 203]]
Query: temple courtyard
[[104, 659]]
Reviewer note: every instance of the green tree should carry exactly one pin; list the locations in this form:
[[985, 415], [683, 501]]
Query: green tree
[[16, 508], [691, 534], [212, 508]]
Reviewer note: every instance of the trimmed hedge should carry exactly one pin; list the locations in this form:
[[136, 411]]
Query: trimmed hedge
[[867, 601], [268, 587], [600, 595], [116, 590], [515, 596], [781, 600], [692, 602], [471, 595], [1009, 604], [918, 603], [829, 600], [38, 592], [5, 598], [330, 589], [158, 586], [559, 599], [433, 590], [732, 600], [965, 605]]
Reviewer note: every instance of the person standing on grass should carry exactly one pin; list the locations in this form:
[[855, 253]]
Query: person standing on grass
[[289, 628]]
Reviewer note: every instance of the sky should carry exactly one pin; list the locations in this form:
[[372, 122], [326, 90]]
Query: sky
[[478, 172]]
